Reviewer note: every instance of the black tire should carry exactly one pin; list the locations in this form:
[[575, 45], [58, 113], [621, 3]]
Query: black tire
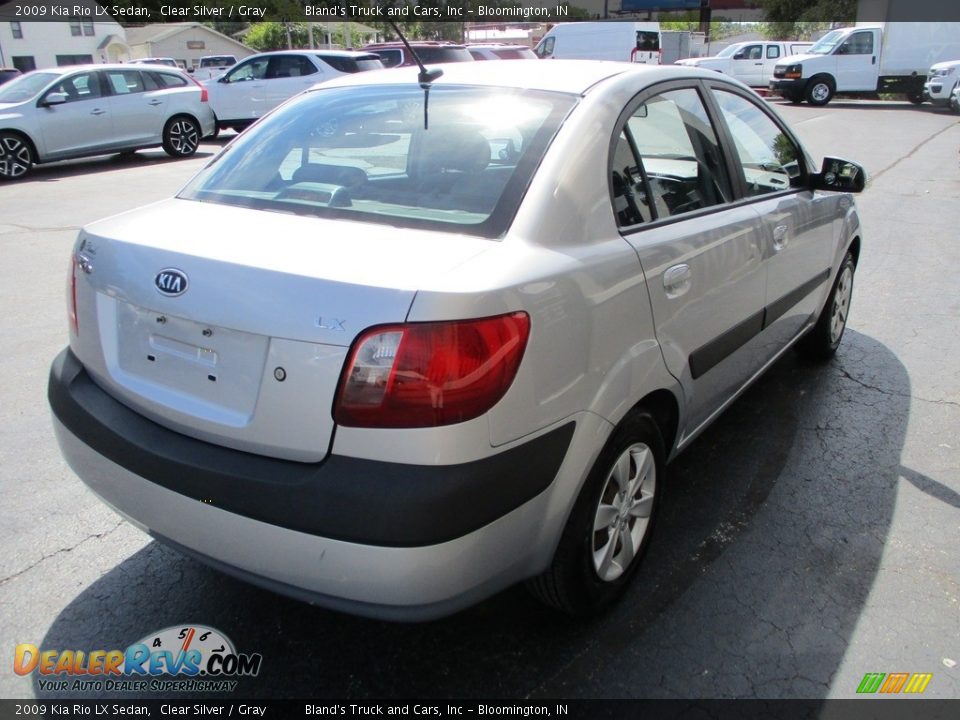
[[16, 156], [794, 97], [181, 136], [823, 339], [819, 90], [915, 96], [587, 572]]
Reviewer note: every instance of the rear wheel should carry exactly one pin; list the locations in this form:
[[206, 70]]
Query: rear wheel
[[915, 96], [181, 136], [819, 90], [611, 522], [16, 156], [824, 338]]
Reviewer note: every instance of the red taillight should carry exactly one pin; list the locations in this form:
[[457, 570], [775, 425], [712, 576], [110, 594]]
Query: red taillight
[[204, 95], [72, 296], [429, 374]]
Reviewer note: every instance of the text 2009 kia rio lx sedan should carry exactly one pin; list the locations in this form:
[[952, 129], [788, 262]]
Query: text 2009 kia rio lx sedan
[[392, 359]]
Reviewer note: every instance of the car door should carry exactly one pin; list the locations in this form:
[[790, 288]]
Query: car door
[[138, 115], [241, 93], [796, 244], [82, 124], [288, 75], [856, 60], [747, 64], [771, 54], [701, 255]]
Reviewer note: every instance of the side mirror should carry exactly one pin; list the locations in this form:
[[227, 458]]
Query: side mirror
[[740, 55], [223, 79], [191, 70], [840, 176], [56, 98]]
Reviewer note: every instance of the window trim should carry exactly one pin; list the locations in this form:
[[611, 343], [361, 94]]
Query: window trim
[[742, 197], [733, 173]]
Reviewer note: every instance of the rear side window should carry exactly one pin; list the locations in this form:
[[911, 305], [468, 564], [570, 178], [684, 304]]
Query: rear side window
[[124, 82], [769, 158], [169, 80], [677, 164], [352, 65], [286, 66], [772, 52], [362, 153]]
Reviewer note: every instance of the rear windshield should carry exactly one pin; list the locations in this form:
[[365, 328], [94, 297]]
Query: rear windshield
[[352, 64], [514, 53], [362, 153], [218, 61], [443, 54], [26, 86], [648, 41]]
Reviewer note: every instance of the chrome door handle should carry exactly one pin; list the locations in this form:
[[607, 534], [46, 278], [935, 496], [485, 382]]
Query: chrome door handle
[[97, 111], [780, 238], [155, 102], [677, 280]]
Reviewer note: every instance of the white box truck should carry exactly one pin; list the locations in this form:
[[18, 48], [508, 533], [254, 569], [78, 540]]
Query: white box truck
[[891, 57], [637, 42]]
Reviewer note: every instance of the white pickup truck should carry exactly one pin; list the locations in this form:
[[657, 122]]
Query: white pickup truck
[[751, 62], [213, 66]]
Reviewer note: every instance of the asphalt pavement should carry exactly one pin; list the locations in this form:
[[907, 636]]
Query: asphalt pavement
[[807, 538]]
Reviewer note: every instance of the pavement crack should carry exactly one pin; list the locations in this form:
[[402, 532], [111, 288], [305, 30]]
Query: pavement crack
[[44, 558], [891, 393], [910, 154]]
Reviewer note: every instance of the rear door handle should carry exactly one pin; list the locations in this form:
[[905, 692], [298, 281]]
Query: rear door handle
[[97, 111], [155, 102], [780, 238], [677, 280]]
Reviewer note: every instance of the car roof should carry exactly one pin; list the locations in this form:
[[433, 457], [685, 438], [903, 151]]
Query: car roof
[[413, 43], [318, 52], [570, 76], [67, 69]]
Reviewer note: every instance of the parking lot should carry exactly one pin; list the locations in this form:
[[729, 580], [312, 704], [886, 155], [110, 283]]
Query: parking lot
[[807, 538]]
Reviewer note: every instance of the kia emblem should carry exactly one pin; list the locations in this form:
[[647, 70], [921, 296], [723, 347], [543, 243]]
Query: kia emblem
[[171, 282]]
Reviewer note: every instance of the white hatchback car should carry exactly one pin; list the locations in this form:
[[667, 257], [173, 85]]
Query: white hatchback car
[[259, 83], [84, 110], [392, 362]]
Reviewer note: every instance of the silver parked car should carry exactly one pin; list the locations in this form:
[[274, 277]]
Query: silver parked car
[[417, 357], [257, 84], [82, 110]]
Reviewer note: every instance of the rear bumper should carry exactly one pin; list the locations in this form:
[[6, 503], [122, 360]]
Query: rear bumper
[[384, 540]]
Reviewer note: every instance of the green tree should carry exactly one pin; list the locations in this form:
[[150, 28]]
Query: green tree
[[273, 35]]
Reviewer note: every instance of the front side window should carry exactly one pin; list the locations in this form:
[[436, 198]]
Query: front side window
[[648, 41], [769, 158], [362, 153], [751, 52], [860, 43], [545, 48], [250, 70], [84, 86], [678, 166]]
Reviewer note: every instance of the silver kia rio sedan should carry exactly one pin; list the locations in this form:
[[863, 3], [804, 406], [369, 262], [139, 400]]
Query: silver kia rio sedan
[[400, 346]]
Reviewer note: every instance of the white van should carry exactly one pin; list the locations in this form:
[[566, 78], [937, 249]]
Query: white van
[[637, 42]]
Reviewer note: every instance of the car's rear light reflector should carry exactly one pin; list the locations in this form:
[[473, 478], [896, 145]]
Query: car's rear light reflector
[[72, 296], [430, 374], [204, 93]]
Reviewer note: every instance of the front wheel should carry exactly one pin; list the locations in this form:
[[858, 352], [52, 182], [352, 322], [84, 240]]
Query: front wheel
[[819, 91], [16, 156], [824, 338], [181, 136], [611, 522]]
